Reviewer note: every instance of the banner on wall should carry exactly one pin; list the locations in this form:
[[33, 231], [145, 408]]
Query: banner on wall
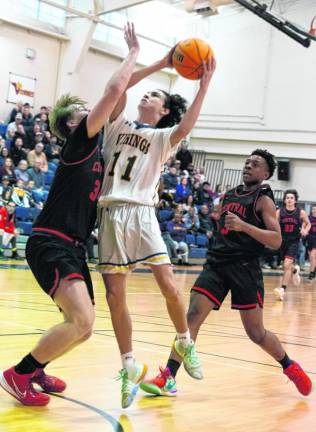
[[21, 88]]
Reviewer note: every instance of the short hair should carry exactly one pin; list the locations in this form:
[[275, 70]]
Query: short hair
[[177, 106], [62, 112], [292, 192], [268, 157]]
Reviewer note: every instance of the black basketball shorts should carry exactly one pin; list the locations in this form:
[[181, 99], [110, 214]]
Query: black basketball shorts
[[52, 258], [243, 279], [289, 249]]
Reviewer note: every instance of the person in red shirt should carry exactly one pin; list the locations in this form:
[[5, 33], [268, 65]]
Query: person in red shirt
[[8, 232]]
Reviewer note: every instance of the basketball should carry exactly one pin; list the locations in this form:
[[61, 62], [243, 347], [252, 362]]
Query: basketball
[[188, 58]]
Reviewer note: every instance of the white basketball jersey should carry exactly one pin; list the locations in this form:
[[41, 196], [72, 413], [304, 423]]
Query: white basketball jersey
[[134, 156]]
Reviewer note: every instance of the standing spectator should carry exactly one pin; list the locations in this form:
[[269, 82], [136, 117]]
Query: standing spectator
[[27, 116], [178, 233], [38, 155], [184, 155], [8, 232], [182, 191]]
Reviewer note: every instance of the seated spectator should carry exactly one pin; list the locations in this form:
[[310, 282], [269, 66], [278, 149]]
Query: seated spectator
[[199, 175], [52, 150], [8, 232], [177, 166], [43, 110], [38, 155], [12, 127], [191, 221], [220, 191], [184, 155], [43, 122], [2, 143], [8, 170], [189, 203], [4, 153], [21, 196], [34, 135], [5, 190], [37, 196], [182, 191], [20, 133], [171, 180], [17, 152], [204, 195], [21, 171], [36, 174], [178, 231], [206, 224]]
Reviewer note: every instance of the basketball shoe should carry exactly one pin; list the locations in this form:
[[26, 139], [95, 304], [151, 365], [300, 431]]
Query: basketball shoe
[[130, 382], [21, 387], [302, 381], [49, 383], [163, 384], [296, 278], [191, 361], [279, 293]]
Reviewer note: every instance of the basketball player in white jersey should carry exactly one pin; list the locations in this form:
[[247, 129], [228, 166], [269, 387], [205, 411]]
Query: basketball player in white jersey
[[129, 233]]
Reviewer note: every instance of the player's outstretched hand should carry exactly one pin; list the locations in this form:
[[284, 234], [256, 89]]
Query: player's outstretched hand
[[208, 70], [130, 37]]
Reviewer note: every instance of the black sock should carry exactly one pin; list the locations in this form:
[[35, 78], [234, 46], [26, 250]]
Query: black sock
[[286, 361], [284, 287], [28, 365], [173, 366]]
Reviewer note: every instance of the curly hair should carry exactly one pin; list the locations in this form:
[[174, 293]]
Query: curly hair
[[292, 192], [177, 106], [62, 112], [268, 157]]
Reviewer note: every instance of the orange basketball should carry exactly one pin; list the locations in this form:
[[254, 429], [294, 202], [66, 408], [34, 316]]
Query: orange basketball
[[188, 58]]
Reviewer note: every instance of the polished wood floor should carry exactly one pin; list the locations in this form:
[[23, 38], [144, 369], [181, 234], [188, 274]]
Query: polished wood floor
[[243, 390]]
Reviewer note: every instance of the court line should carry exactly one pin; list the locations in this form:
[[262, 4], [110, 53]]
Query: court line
[[117, 427]]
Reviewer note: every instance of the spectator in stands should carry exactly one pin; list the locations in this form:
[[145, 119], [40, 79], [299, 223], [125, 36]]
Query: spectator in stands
[[20, 133], [27, 116], [8, 170], [5, 190], [14, 111], [43, 122], [36, 174], [38, 155], [12, 127], [177, 166], [21, 171], [191, 221], [8, 232], [52, 150], [32, 134], [220, 191], [182, 191], [178, 231], [199, 175], [43, 110], [37, 197], [171, 180], [20, 196], [17, 152], [204, 195], [206, 224], [2, 143], [184, 155], [189, 203], [3, 155]]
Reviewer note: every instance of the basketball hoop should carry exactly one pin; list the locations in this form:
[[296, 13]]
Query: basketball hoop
[[312, 30]]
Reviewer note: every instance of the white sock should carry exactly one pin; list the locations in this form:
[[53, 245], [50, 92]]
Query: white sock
[[128, 360], [185, 338]]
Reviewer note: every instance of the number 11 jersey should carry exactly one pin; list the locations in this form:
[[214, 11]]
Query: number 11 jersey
[[134, 155]]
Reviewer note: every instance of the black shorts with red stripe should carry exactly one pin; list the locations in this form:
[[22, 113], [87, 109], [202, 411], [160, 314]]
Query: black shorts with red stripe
[[52, 258], [242, 278], [289, 249]]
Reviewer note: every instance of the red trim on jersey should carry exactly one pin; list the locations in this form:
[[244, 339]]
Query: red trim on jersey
[[55, 284], [57, 233], [82, 160], [202, 290], [73, 276], [253, 305]]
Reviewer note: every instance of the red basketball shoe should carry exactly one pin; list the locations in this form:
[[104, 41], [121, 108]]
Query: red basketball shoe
[[20, 387], [163, 384], [49, 383], [302, 381]]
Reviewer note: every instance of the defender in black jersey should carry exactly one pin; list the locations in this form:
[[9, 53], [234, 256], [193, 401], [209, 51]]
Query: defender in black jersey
[[294, 224], [311, 243], [248, 223], [56, 249]]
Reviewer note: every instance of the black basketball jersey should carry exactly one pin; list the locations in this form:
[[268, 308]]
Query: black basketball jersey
[[228, 245], [312, 231], [290, 223], [71, 206]]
